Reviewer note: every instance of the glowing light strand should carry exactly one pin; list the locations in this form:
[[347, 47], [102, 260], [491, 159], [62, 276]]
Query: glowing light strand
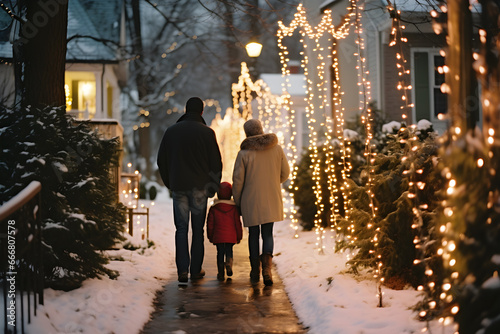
[[398, 40], [314, 33]]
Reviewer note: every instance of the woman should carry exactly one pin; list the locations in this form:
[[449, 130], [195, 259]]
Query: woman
[[259, 170]]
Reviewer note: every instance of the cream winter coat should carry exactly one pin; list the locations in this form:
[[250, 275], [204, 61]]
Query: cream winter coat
[[259, 170]]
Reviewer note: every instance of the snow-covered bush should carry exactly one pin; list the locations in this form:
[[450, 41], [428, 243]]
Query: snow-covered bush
[[394, 176], [469, 237], [80, 211], [303, 186], [304, 194]]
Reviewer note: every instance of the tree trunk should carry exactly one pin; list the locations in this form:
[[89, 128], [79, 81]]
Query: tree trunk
[[144, 149], [490, 72], [42, 48], [462, 101], [233, 55], [489, 75]]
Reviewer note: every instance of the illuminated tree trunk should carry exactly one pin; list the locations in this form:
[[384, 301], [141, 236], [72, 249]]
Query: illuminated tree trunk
[[489, 74], [462, 104]]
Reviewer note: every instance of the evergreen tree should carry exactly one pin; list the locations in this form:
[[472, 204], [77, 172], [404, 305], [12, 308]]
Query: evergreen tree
[[304, 184], [80, 208], [468, 287], [304, 193], [395, 175]]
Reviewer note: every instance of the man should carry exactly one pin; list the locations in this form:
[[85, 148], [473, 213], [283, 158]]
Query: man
[[190, 165]]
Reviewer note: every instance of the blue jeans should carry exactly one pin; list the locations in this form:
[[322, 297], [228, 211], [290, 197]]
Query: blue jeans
[[185, 203], [224, 249], [254, 233]]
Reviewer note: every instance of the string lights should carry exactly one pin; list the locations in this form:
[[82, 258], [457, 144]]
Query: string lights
[[324, 128], [11, 13], [398, 40], [129, 188], [320, 107], [365, 111], [229, 129]]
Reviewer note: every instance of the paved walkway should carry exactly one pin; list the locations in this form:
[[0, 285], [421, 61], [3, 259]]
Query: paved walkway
[[232, 306]]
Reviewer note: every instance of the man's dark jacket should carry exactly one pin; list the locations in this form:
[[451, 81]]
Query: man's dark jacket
[[189, 157]]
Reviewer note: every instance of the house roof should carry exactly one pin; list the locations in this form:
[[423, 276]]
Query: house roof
[[411, 5], [275, 82], [421, 5], [93, 31]]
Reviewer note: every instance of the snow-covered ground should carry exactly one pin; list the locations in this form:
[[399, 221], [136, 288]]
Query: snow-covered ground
[[325, 297], [120, 306]]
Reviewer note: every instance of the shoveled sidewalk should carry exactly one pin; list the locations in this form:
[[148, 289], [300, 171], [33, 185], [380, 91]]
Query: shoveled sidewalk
[[232, 306]]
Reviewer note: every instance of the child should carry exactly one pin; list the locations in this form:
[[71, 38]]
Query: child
[[224, 228]]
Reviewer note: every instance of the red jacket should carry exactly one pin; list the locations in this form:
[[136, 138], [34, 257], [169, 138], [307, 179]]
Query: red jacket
[[223, 223]]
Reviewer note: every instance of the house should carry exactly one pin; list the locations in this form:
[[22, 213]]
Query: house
[[297, 91], [94, 71], [422, 52]]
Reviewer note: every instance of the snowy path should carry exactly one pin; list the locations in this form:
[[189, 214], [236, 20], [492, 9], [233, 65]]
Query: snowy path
[[329, 300], [347, 305]]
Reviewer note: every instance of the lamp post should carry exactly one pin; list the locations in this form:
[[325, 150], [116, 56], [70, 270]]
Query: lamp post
[[243, 90], [253, 49]]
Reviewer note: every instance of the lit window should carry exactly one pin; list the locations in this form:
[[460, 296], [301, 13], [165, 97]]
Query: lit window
[[80, 89]]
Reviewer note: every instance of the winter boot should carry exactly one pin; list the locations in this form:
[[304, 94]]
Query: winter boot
[[266, 269], [220, 270], [255, 272], [229, 267]]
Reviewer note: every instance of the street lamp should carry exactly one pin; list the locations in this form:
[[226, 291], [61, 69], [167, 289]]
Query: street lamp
[[253, 49], [244, 89]]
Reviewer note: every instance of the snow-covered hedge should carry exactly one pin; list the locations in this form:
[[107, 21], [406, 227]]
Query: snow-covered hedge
[[81, 214]]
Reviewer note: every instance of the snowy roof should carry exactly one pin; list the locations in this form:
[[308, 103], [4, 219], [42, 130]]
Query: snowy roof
[[327, 4], [95, 19], [410, 5], [80, 23], [274, 81], [421, 5]]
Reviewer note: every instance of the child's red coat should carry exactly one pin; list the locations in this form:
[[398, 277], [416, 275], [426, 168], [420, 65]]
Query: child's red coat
[[223, 223]]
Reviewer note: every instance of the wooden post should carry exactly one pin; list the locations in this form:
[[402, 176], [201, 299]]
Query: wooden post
[[147, 227], [460, 77], [489, 72], [131, 221]]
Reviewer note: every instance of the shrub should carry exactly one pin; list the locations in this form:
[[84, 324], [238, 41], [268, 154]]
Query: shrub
[[152, 193], [81, 212]]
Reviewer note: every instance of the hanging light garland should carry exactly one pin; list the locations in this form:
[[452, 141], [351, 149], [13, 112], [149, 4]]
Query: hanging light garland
[[365, 110], [315, 34], [269, 107], [366, 113], [398, 40]]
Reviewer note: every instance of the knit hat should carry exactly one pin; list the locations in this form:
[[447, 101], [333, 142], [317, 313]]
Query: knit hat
[[194, 104], [225, 191], [253, 127]]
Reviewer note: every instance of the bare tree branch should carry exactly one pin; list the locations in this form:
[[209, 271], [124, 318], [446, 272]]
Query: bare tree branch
[[11, 13]]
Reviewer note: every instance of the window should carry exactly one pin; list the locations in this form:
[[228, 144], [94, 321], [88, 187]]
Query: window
[[440, 99], [428, 99], [109, 100], [80, 88]]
